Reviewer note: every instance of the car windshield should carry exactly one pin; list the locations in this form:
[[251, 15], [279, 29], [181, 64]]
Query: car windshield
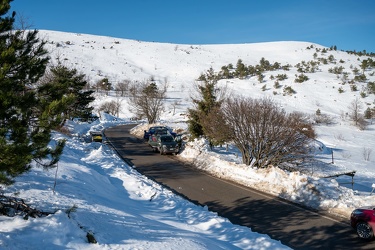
[[153, 129], [166, 139]]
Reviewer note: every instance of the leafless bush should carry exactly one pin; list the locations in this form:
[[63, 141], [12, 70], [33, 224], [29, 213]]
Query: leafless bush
[[264, 133], [122, 87], [175, 104], [346, 155], [366, 153], [111, 107], [322, 119], [339, 137], [147, 100], [362, 123], [355, 114]]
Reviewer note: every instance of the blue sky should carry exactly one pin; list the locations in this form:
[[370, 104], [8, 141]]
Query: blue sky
[[348, 24]]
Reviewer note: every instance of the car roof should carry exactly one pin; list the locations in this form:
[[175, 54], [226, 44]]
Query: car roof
[[166, 135], [158, 127]]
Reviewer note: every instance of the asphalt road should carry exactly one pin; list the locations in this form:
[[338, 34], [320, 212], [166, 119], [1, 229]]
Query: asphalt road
[[294, 226]]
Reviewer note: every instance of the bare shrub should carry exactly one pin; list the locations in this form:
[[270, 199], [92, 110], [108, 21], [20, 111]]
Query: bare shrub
[[322, 119], [346, 155], [111, 107], [366, 153], [264, 133], [122, 87], [355, 114], [147, 100], [339, 137]]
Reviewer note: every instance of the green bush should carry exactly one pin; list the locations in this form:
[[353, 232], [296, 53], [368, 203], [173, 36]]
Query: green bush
[[301, 78], [371, 87], [281, 77], [288, 90], [353, 87], [277, 85]]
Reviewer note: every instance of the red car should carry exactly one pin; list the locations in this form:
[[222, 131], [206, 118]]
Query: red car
[[363, 221]]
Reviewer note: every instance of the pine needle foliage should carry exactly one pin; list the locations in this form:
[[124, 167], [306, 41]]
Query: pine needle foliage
[[25, 126], [208, 99]]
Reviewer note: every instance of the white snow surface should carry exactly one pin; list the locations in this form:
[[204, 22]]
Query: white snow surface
[[97, 193], [125, 210]]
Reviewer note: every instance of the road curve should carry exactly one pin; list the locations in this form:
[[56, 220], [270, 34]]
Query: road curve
[[293, 225]]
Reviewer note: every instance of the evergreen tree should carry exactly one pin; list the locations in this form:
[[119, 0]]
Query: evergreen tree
[[368, 113], [265, 64], [25, 127], [225, 73], [208, 99], [240, 69], [66, 85]]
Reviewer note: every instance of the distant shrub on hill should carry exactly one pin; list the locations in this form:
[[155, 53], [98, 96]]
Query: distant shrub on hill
[[276, 85], [281, 77], [353, 87], [307, 67], [242, 70], [323, 60], [360, 78], [369, 113], [331, 59], [360, 53], [336, 70], [301, 78], [320, 118], [288, 90], [371, 87]]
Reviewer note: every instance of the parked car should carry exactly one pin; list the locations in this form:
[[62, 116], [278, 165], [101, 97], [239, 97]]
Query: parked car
[[96, 136], [165, 144], [159, 130], [363, 221]]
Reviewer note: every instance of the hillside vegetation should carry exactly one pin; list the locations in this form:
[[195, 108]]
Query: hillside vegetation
[[299, 71], [332, 89]]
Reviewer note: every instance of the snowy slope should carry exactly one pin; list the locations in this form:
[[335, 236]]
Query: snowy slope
[[180, 65], [97, 193], [127, 202]]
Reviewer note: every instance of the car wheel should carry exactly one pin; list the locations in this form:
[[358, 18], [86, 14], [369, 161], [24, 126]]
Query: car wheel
[[364, 231]]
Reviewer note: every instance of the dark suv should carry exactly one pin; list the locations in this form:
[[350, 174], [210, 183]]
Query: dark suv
[[157, 130], [165, 144], [363, 221]]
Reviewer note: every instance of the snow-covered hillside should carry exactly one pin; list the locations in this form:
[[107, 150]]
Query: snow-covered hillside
[[151, 216], [180, 65], [97, 193]]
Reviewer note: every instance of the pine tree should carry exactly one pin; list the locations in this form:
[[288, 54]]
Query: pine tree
[[66, 85], [207, 100], [25, 127], [368, 113], [240, 69]]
